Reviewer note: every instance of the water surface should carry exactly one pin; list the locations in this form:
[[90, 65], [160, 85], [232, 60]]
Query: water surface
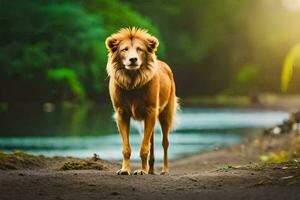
[[81, 132]]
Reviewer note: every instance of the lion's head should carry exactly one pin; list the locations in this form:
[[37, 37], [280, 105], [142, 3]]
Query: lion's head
[[132, 59]]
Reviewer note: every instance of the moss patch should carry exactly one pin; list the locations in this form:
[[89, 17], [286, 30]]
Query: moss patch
[[93, 163], [287, 152], [20, 160]]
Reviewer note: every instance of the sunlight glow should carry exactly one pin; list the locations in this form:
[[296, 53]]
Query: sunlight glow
[[291, 5]]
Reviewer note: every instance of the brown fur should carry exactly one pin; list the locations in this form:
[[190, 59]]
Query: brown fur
[[146, 93]]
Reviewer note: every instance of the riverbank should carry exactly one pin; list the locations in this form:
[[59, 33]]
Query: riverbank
[[235, 172], [266, 101]]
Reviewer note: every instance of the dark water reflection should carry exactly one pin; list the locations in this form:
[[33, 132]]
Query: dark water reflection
[[36, 120]]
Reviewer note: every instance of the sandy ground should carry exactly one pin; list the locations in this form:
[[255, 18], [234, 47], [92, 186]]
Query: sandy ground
[[228, 173]]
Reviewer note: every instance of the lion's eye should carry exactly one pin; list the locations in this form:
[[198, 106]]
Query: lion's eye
[[139, 49], [125, 49]]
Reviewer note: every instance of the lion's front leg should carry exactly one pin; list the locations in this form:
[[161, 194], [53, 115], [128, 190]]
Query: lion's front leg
[[123, 121], [145, 146]]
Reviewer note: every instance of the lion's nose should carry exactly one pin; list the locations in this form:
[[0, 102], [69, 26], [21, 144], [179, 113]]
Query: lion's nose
[[133, 60]]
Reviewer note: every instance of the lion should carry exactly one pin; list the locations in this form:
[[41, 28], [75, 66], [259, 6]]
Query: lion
[[141, 88]]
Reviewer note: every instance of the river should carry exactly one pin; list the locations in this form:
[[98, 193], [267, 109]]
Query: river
[[83, 131]]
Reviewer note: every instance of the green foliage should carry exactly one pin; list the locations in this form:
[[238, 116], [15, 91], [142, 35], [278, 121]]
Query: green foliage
[[289, 63], [44, 36], [39, 37], [68, 75], [247, 75], [245, 81]]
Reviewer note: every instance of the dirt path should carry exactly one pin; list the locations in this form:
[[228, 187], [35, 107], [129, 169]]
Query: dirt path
[[89, 184], [229, 173]]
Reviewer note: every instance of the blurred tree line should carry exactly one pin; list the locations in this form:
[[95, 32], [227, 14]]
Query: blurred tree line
[[54, 49], [228, 47]]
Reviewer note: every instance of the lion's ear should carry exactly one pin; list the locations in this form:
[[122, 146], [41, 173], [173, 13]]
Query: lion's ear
[[152, 44], [111, 44]]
